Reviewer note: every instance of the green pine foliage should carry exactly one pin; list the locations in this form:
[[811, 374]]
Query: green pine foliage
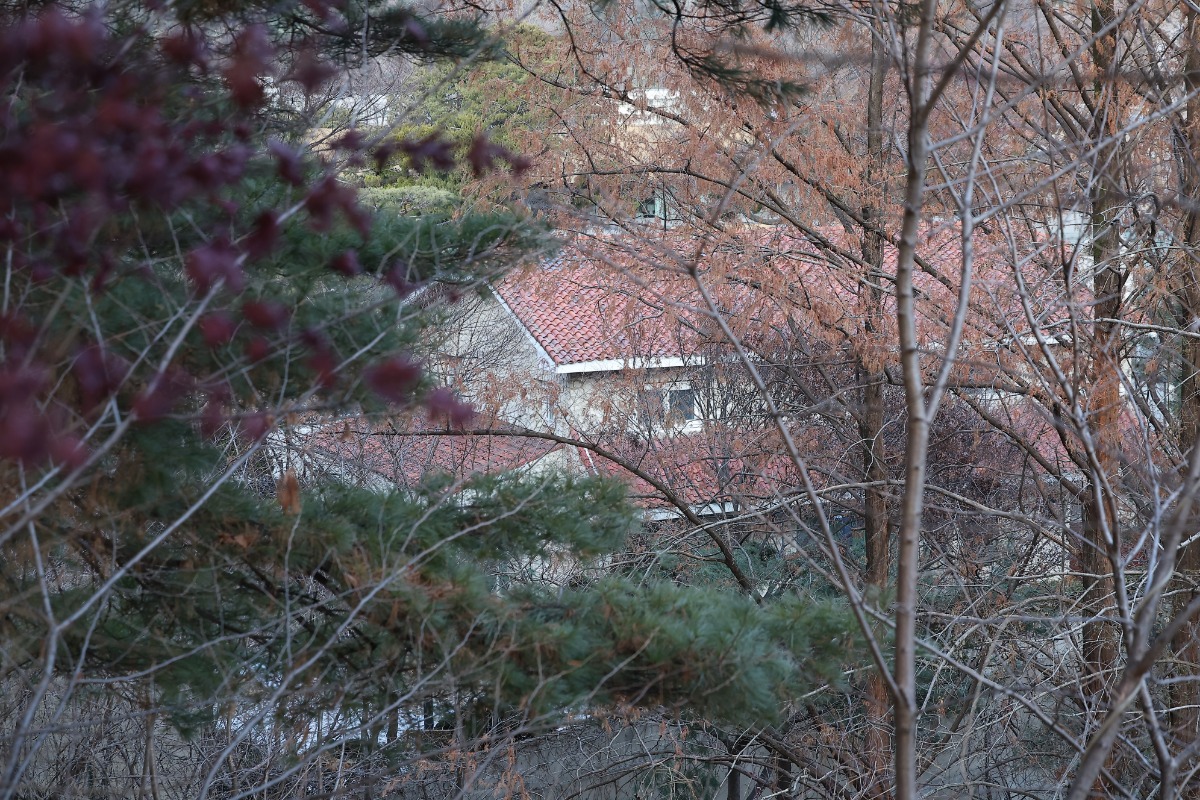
[[491, 98], [158, 562], [396, 596], [698, 651]]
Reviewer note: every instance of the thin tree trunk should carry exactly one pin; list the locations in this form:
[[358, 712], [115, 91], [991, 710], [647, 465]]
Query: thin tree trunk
[[733, 789], [1185, 693], [904, 704], [871, 419], [1101, 643]]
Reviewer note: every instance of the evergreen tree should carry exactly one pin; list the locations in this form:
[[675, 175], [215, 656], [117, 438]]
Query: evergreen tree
[[182, 289]]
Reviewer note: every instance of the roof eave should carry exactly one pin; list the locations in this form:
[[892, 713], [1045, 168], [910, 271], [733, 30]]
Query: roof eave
[[618, 364], [543, 355]]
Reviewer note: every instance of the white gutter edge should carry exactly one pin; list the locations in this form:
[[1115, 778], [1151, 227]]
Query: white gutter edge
[[617, 364]]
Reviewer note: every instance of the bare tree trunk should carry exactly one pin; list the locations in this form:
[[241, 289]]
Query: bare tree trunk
[[871, 419], [782, 778], [1185, 693], [905, 709], [1101, 643]]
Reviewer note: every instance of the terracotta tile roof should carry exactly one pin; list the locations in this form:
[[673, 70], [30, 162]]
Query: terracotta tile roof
[[579, 310], [714, 475], [695, 469], [621, 299], [364, 450]]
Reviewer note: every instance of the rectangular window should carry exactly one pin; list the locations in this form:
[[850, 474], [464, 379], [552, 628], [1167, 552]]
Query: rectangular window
[[673, 407], [650, 408], [681, 405]]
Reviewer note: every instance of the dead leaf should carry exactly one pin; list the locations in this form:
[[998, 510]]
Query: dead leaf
[[287, 489]]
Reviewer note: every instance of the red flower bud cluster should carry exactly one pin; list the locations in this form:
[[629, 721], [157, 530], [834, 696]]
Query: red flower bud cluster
[[124, 160]]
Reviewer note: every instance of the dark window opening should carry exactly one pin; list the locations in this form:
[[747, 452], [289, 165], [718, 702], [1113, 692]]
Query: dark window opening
[[681, 405]]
